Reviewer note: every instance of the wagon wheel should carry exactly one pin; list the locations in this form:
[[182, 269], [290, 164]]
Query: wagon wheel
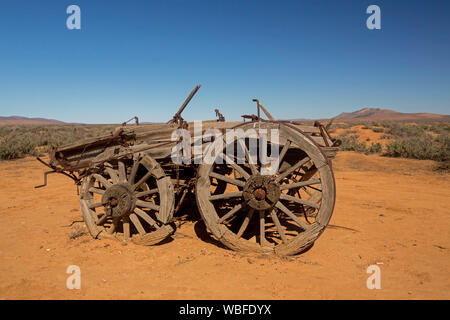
[[131, 199], [281, 209]]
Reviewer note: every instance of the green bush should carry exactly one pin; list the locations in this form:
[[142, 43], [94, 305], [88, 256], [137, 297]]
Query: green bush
[[422, 147], [375, 148], [351, 143], [17, 147], [20, 141]]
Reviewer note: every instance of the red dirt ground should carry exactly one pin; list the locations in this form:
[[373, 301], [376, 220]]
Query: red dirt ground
[[390, 211]]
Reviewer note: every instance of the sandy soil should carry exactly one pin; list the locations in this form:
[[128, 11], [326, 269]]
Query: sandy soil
[[368, 136], [390, 211]]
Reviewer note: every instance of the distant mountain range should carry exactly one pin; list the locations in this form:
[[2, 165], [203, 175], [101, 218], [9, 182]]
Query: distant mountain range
[[385, 114], [24, 120], [360, 115]]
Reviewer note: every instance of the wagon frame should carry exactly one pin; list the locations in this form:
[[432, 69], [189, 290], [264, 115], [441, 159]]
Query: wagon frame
[[130, 186]]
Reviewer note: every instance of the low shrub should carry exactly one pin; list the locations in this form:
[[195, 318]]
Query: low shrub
[[20, 141], [422, 147], [375, 148], [351, 143]]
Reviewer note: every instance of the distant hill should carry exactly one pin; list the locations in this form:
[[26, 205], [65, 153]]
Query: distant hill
[[17, 120], [385, 114]]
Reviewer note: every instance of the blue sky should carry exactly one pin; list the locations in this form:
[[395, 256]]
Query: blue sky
[[302, 59]]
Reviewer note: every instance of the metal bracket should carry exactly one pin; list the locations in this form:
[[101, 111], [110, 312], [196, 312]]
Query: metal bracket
[[136, 119], [45, 179]]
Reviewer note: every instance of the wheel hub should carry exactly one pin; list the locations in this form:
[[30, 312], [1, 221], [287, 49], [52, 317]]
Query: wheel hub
[[118, 200], [261, 192]]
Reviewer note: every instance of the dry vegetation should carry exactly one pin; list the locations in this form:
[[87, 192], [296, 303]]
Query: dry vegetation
[[422, 140], [19, 141]]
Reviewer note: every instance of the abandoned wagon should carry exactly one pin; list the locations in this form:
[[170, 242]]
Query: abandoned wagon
[[268, 185]]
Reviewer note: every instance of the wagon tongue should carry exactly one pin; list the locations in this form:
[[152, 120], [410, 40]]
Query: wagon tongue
[[177, 117]]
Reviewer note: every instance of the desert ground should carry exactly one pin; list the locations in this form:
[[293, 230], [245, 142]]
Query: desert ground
[[390, 212]]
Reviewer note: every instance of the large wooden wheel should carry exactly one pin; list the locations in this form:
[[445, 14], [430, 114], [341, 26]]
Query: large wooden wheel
[[130, 199], [284, 211]]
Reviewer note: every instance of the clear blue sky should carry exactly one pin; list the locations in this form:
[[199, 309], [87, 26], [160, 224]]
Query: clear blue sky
[[302, 59]]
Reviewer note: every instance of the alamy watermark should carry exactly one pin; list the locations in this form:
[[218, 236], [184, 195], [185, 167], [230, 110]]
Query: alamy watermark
[[234, 146], [74, 280], [374, 280], [374, 20], [74, 20]]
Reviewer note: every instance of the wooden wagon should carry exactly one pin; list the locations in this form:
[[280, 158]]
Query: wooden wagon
[[130, 185]]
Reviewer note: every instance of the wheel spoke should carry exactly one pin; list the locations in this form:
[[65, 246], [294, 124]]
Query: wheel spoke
[[112, 174], [245, 223], [143, 179], [283, 152], [231, 213], [262, 233], [247, 155], [307, 191], [112, 228], [102, 180], [299, 184], [102, 219], [277, 223], [96, 190], [292, 169], [236, 167], [146, 193], [135, 220], [227, 179], [95, 205], [133, 172], [122, 172], [146, 204], [281, 206], [146, 217], [126, 228], [226, 196], [298, 200]]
